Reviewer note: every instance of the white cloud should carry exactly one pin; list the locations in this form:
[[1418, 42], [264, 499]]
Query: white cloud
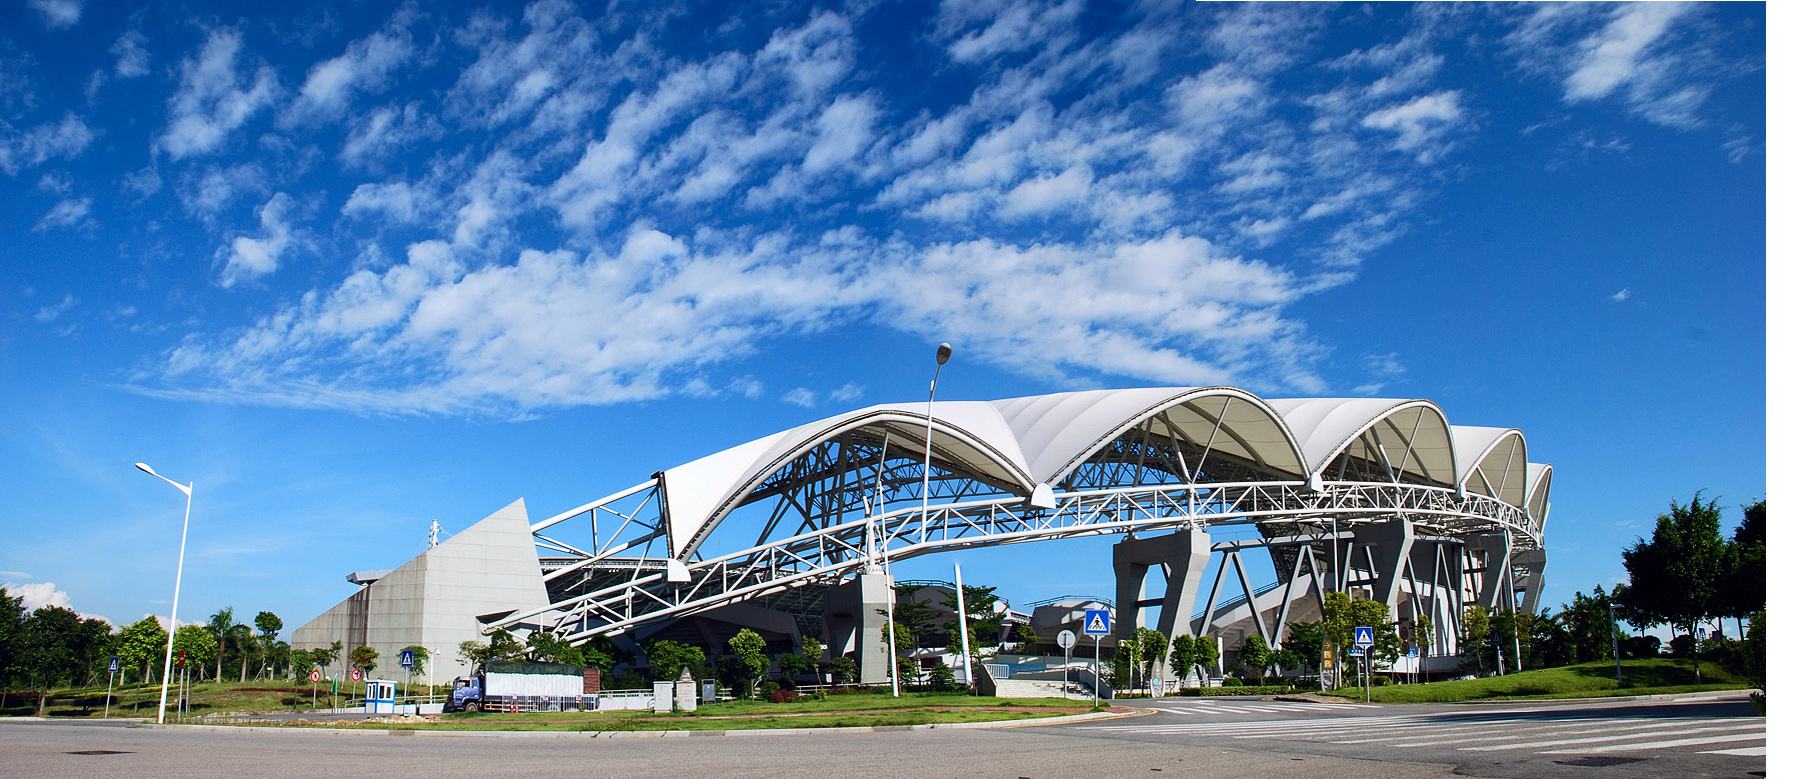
[[57, 13], [1049, 193], [65, 138], [395, 201], [1614, 55], [843, 131], [1650, 56], [56, 182], [1620, 295], [218, 188], [366, 65], [1008, 27], [386, 130], [50, 313], [1420, 123], [37, 595], [70, 212], [248, 257], [14, 576], [801, 397], [215, 98], [848, 393], [133, 59]]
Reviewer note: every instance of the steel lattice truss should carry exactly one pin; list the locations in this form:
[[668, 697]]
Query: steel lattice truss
[[624, 591]]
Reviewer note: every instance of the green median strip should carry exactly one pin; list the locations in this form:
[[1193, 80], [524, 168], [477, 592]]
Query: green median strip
[[1655, 676]]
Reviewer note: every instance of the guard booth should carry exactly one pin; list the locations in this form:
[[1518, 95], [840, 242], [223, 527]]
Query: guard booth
[[378, 698]]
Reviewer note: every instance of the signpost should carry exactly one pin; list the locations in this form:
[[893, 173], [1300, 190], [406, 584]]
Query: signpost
[[406, 663], [315, 676], [112, 669], [1364, 642], [1065, 640], [1096, 623]]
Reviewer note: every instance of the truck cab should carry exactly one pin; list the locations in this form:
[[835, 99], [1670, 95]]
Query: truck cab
[[466, 692]]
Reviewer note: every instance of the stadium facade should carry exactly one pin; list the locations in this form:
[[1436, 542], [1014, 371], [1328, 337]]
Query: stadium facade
[[793, 534]]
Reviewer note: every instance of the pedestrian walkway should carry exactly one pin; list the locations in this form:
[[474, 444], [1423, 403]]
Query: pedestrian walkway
[[1542, 732]]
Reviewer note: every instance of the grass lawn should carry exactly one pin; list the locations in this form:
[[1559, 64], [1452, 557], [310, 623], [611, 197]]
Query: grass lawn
[[1655, 676], [835, 711]]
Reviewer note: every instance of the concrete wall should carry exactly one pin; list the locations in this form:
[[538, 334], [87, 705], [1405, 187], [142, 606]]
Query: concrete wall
[[435, 598]]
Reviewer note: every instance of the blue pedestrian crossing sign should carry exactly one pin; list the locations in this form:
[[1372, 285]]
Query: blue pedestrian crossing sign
[[1363, 636], [112, 666], [406, 658], [1098, 622]]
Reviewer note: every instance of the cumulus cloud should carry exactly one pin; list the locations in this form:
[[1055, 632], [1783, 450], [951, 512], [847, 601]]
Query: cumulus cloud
[[1419, 123], [215, 97], [57, 13], [394, 201], [65, 139], [364, 66], [251, 257], [801, 397], [37, 595], [1651, 57], [133, 59], [50, 313], [69, 212]]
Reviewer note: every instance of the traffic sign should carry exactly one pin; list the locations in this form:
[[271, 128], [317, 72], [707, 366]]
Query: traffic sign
[[112, 666], [315, 676], [355, 674], [1097, 622], [1412, 652], [1704, 633], [1065, 639], [406, 659], [1357, 651], [1363, 636], [182, 662]]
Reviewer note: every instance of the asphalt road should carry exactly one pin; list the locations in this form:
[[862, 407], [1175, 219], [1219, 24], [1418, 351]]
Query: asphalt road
[[1705, 735], [1244, 740]]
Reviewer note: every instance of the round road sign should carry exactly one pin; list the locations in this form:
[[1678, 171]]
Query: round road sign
[[1065, 639], [355, 674], [315, 676]]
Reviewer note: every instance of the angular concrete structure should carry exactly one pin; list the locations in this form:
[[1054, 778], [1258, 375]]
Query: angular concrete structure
[[435, 599]]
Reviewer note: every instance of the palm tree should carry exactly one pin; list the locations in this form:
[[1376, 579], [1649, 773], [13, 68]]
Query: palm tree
[[243, 641], [220, 625]]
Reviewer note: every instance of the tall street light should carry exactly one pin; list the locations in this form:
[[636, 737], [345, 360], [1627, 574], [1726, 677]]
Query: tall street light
[[168, 653], [942, 356]]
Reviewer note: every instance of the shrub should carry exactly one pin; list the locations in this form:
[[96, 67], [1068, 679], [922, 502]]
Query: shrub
[[783, 696], [1232, 681], [1239, 689]]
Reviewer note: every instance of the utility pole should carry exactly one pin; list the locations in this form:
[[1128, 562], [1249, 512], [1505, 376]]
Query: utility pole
[[1610, 609]]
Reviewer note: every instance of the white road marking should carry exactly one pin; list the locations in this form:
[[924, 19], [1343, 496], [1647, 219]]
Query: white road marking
[[1587, 726], [1760, 751], [1645, 733], [1680, 742]]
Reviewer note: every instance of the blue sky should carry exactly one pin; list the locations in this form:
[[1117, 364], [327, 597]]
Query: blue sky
[[354, 269]]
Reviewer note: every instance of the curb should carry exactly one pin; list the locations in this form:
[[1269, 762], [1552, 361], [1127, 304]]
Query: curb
[[657, 733], [1674, 696]]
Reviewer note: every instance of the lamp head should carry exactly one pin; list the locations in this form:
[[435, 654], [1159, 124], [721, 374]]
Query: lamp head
[[145, 467], [942, 353]]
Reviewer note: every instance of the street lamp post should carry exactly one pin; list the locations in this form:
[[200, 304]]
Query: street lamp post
[[168, 652], [942, 356]]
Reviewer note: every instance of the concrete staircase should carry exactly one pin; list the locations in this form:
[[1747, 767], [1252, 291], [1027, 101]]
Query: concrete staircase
[[1035, 688]]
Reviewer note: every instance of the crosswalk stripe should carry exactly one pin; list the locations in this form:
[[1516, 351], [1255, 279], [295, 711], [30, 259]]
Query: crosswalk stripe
[[1218, 729], [1760, 751], [1559, 728], [1224, 727], [1680, 742], [1644, 733], [1411, 732]]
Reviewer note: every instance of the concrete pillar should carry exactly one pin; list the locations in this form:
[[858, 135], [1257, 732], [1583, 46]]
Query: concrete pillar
[[1390, 543], [1185, 554], [1536, 562], [853, 621], [1493, 582]]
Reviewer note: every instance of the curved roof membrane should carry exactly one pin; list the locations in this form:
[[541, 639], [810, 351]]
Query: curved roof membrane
[[1492, 462], [1539, 478], [1029, 445]]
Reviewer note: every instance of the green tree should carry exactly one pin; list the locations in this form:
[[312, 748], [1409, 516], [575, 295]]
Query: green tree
[[1026, 634], [1287, 660], [597, 653], [12, 638], [1206, 647], [548, 647], [1254, 655], [1183, 655], [667, 658], [1123, 663], [1476, 634], [748, 647], [1744, 586], [503, 647], [813, 651], [790, 664], [473, 653], [141, 643], [219, 625], [268, 628], [844, 670], [1153, 645], [1306, 641], [50, 653], [243, 643], [199, 644], [1675, 574], [364, 657]]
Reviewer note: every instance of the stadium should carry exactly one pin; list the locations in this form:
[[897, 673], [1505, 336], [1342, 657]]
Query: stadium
[[794, 534]]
